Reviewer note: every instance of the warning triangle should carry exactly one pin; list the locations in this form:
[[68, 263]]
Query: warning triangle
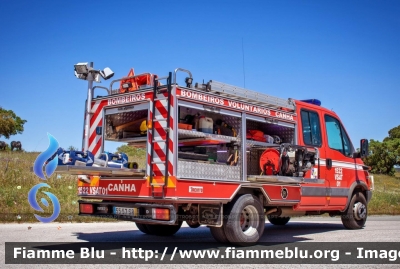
[[131, 73]]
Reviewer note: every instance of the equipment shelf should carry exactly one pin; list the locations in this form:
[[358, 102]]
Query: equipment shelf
[[260, 145], [130, 139], [195, 138]]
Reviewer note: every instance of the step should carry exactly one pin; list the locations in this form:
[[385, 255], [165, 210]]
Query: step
[[158, 162], [159, 140], [163, 119]]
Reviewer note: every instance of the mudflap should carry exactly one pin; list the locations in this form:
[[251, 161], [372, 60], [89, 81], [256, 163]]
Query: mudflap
[[211, 214]]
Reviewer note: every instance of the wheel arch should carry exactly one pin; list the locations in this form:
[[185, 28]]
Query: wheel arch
[[258, 192], [357, 186]]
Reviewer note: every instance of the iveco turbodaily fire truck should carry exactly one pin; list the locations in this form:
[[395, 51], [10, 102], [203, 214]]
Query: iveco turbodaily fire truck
[[217, 155]]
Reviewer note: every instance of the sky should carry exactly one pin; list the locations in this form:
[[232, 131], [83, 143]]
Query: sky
[[344, 53]]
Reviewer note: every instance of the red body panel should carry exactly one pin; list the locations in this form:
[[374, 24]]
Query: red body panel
[[183, 189], [275, 193]]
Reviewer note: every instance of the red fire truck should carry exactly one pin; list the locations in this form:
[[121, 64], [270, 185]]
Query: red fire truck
[[220, 156]]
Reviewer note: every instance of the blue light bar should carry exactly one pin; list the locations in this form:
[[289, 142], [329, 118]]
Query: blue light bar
[[312, 101]]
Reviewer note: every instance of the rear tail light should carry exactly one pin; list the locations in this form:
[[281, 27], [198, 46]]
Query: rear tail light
[[371, 182], [160, 213], [86, 208]]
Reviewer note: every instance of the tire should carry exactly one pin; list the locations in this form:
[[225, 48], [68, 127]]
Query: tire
[[246, 221], [278, 220], [143, 228], [356, 214], [219, 234], [164, 230]]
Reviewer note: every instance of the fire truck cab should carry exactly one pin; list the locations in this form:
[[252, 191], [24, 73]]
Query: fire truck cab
[[218, 155]]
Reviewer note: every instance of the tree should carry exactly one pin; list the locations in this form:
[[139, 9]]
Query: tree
[[72, 148], [385, 155], [132, 151], [10, 123], [393, 133]]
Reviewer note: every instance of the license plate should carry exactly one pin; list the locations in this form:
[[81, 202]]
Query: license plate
[[125, 211]]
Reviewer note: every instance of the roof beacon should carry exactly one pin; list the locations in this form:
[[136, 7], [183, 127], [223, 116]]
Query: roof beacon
[[312, 101]]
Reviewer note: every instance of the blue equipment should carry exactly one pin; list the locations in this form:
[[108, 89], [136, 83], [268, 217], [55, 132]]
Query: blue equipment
[[73, 157], [119, 160]]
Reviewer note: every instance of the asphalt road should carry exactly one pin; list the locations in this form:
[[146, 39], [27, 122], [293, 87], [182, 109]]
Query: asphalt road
[[306, 229]]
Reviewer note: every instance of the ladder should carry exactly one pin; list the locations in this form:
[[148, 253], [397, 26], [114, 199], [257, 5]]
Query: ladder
[[227, 90], [160, 136]]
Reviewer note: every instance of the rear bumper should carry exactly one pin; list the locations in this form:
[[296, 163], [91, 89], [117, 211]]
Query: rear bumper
[[143, 212]]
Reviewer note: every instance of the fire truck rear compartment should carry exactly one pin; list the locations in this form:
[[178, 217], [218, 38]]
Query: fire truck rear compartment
[[124, 124], [203, 155]]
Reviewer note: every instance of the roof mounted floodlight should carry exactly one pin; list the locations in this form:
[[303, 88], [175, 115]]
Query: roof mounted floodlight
[[86, 72], [189, 82], [126, 85], [107, 73], [82, 68]]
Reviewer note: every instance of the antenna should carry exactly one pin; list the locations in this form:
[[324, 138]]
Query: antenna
[[244, 74]]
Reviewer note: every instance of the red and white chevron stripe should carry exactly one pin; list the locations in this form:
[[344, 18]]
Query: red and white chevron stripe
[[161, 112], [96, 120]]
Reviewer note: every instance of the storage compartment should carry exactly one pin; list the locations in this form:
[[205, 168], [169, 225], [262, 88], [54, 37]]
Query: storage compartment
[[188, 169], [210, 149], [274, 135], [126, 124]]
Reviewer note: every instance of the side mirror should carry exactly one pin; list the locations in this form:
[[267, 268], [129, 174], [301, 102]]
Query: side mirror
[[364, 151]]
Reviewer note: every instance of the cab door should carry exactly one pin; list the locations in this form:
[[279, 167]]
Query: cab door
[[339, 162], [313, 194]]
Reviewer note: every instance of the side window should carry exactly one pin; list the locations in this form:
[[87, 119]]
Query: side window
[[337, 137], [311, 128]]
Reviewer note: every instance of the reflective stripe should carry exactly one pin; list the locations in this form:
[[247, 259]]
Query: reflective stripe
[[347, 165], [317, 191]]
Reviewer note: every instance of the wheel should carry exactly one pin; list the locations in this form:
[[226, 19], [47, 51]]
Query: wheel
[[219, 234], [163, 230], [275, 220], [246, 221], [356, 214], [143, 228]]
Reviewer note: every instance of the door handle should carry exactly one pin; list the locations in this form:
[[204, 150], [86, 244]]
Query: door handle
[[328, 163]]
